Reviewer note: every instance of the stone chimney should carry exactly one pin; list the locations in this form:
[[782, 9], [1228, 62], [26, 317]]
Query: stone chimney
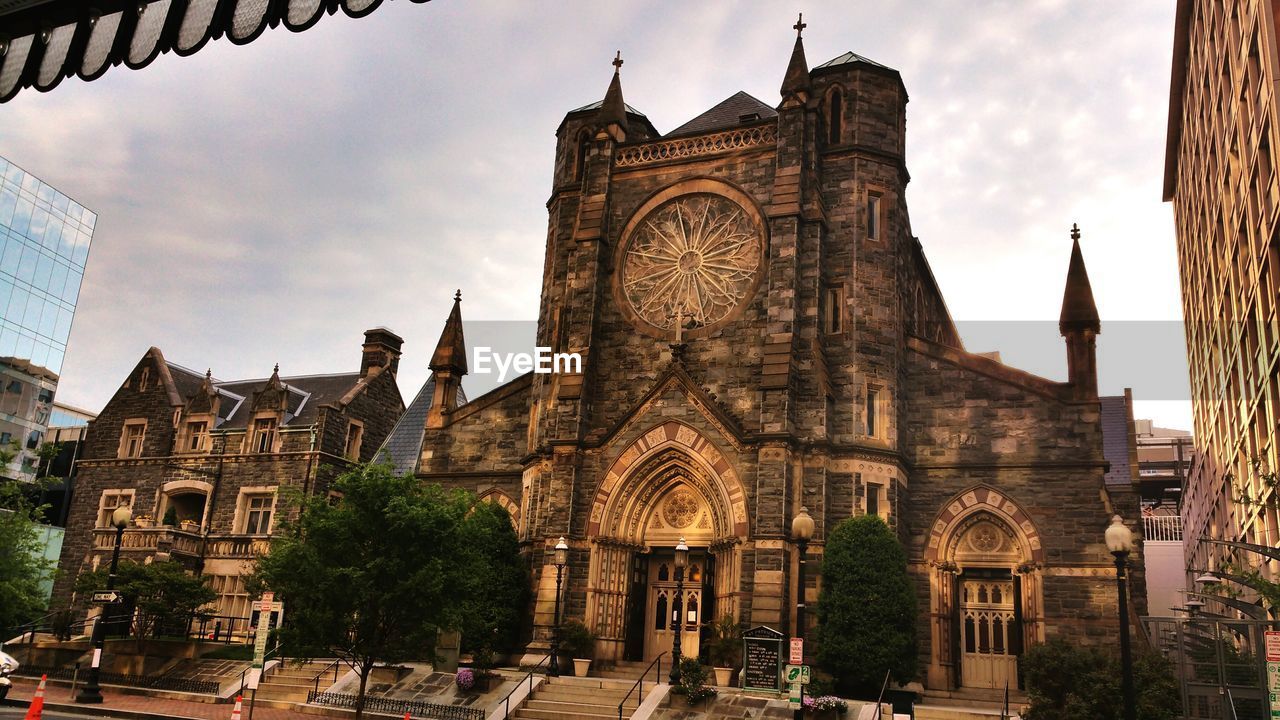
[[381, 347]]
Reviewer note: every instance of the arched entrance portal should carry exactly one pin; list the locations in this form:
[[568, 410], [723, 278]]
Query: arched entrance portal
[[668, 484], [985, 559]]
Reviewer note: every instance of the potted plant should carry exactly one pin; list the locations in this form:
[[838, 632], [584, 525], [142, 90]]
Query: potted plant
[[825, 706], [143, 521], [693, 682], [578, 642], [170, 517], [725, 648], [190, 525]]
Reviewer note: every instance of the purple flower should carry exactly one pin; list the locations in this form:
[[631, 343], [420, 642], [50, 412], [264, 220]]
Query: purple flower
[[465, 679]]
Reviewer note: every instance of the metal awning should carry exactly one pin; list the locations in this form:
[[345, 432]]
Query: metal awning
[[44, 41]]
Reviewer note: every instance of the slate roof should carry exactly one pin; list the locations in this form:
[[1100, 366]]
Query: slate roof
[[403, 445], [306, 394], [596, 106], [1115, 439], [726, 114], [849, 58]]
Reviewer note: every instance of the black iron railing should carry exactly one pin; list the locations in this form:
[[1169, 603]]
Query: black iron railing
[[392, 705], [153, 682], [527, 676], [638, 686], [883, 687]]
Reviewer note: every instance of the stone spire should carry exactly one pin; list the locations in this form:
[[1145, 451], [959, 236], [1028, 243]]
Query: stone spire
[[613, 111], [795, 84], [1078, 308], [448, 365], [1080, 326], [451, 351]]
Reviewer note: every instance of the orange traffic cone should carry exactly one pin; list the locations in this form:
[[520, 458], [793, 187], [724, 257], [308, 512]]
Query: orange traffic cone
[[235, 712], [36, 711], [406, 715]]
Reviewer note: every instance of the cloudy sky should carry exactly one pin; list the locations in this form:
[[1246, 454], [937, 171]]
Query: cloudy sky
[[268, 203]]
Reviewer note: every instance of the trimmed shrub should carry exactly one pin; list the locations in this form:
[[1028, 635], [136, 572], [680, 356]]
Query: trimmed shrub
[[1066, 682], [867, 608]]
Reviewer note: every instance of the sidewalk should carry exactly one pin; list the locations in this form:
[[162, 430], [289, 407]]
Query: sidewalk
[[24, 688]]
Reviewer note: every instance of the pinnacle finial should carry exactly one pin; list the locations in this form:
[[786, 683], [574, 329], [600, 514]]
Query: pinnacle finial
[[617, 62], [208, 374], [800, 25], [1075, 231], [457, 297], [276, 370]]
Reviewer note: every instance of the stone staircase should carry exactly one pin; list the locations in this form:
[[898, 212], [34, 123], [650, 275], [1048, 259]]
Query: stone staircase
[[630, 670], [291, 682], [571, 698], [968, 704]]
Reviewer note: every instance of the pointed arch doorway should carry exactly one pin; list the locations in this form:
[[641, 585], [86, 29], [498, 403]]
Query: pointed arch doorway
[[670, 483]]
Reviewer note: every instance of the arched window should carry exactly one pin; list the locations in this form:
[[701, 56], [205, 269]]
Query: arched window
[[580, 160], [660, 613], [835, 116], [663, 573]]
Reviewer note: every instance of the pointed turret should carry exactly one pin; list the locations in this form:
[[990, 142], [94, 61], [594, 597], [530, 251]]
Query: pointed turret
[[795, 84], [448, 365], [612, 118], [1080, 325]]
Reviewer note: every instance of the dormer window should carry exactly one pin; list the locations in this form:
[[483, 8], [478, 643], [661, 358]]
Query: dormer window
[[196, 436], [748, 117], [264, 435]]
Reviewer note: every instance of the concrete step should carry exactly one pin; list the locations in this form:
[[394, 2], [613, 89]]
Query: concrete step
[[572, 707], [530, 714], [590, 682], [287, 693], [936, 712], [585, 695]]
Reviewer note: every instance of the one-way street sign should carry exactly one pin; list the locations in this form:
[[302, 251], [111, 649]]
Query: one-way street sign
[[106, 597]]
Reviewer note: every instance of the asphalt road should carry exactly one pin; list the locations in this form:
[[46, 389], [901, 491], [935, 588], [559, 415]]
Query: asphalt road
[[8, 712]]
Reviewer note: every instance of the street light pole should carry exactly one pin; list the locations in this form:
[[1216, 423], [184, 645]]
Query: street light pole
[[1120, 542], [561, 559], [92, 692], [801, 531], [677, 620]]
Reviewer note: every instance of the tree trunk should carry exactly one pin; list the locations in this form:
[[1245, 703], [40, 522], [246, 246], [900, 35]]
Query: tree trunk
[[364, 680]]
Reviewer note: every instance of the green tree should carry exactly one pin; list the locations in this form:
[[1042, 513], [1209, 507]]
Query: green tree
[[1066, 682], [164, 594], [867, 608], [371, 578], [496, 586], [22, 563]]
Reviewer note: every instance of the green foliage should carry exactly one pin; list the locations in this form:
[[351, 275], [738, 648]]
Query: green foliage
[[170, 517], [867, 608], [693, 682], [1065, 682], [372, 578], [577, 640], [725, 644], [22, 563], [164, 593], [1249, 574], [496, 585]]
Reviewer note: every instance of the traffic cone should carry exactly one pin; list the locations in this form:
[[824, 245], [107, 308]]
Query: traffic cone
[[235, 712], [36, 711], [406, 715]]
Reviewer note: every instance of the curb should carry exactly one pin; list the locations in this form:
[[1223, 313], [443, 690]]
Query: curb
[[98, 710]]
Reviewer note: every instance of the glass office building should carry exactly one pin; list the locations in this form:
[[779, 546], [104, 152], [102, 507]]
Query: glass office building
[[44, 244]]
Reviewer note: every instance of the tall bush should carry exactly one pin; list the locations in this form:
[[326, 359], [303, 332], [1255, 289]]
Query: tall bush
[[1066, 682], [867, 608]]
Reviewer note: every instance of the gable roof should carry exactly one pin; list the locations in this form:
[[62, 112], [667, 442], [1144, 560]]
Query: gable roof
[[726, 114], [403, 445], [848, 59]]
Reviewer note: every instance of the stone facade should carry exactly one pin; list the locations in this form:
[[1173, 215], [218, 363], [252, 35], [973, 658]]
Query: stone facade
[[824, 373], [217, 453]]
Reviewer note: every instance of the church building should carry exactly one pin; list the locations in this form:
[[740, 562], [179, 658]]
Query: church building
[[760, 332]]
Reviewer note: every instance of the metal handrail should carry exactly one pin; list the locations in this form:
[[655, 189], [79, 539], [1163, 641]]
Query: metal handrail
[[325, 671], [529, 675], [639, 683], [883, 688], [1004, 710], [1231, 703]]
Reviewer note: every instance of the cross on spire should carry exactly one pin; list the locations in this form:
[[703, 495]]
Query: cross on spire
[[1075, 231], [800, 25], [617, 62], [457, 297]]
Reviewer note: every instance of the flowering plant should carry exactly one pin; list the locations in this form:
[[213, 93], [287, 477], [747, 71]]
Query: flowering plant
[[825, 702], [465, 679]]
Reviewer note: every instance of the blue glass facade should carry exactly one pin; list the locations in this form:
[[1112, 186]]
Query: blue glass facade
[[44, 245]]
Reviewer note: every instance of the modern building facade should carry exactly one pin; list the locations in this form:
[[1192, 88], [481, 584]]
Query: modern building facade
[[201, 461], [45, 237], [760, 333], [1220, 176]]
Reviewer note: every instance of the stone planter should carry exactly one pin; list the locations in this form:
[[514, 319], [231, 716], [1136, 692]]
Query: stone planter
[[580, 667], [724, 676], [190, 525], [143, 522]]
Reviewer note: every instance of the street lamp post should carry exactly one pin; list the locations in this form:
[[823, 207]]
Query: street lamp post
[[1120, 542], [801, 533], [561, 559], [677, 617], [92, 692]]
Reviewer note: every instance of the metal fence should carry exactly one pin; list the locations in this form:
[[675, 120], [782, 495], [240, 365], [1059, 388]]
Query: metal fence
[[1219, 663], [1162, 528], [153, 682], [392, 705]]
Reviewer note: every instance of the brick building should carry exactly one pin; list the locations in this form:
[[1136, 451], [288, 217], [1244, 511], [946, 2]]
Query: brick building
[[210, 456], [760, 331]]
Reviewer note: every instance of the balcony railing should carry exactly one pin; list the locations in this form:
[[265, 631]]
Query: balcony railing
[[1162, 528], [237, 547], [181, 542]]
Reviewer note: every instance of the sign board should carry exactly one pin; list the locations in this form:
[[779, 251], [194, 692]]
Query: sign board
[[797, 651], [1272, 645], [798, 674], [796, 696], [260, 638], [106, 597], [762, 659]]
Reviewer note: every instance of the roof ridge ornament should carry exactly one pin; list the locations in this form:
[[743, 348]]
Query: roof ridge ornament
[[800, 26], [1075, 231], [617, 62]]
